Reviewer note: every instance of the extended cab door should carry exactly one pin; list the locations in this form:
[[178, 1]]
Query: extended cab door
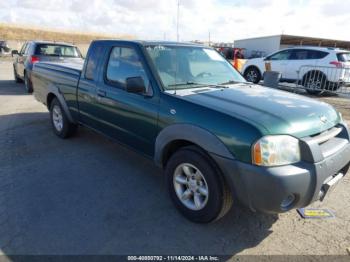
[[128, 117], [87, 88]]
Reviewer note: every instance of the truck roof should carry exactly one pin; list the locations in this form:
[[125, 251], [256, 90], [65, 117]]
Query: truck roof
[[150, 42]]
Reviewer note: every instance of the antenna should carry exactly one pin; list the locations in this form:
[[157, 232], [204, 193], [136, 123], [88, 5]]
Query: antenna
[[178, 39], [177, 20]]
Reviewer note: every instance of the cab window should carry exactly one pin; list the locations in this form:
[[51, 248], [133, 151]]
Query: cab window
[[124, 62]]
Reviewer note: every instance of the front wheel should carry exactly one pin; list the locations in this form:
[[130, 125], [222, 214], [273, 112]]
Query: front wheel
[[253, 75], [196, 186], [60, 123]]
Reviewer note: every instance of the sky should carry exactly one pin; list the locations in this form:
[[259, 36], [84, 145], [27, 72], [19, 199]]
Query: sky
[[226, 20]]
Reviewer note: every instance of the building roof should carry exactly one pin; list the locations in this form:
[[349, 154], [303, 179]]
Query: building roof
[[313, 41], [307, 41]]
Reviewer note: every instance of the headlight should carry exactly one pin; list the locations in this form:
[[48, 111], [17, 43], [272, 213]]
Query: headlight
[[276, 151]]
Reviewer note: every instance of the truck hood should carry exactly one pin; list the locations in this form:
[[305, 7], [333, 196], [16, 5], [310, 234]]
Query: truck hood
[[271, 111]]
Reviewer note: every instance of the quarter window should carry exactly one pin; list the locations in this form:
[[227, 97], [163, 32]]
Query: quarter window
[[314, 54], [92, 62]]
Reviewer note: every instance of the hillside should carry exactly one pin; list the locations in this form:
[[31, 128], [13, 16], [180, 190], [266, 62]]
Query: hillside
[[22, 33]]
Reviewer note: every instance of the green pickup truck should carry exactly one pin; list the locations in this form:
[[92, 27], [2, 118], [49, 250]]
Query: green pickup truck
[[219, 139]]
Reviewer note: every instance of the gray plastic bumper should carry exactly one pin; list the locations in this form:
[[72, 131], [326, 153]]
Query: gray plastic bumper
[[265, 188]]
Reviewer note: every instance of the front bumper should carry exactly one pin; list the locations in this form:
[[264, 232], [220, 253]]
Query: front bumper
[[265, 188]]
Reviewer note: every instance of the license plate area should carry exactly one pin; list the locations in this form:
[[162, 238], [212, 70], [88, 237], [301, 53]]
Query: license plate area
[[329, 185]]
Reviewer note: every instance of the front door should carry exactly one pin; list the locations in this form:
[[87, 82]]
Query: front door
[[128, 117], [279, 61]]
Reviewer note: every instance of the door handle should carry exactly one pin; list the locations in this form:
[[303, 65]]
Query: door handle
[[101, 93]]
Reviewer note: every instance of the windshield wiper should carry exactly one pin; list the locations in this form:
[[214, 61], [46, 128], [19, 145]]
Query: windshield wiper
[[231, 82], [198, 85], [188, 83]]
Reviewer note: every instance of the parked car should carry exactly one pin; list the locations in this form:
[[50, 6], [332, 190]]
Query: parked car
[[218, 138], [316, 68], [231, 53], [35, 51], [4, 49]]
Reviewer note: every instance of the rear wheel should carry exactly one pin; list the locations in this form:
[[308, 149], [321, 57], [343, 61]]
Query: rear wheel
[[60, 123], [314, 83], [345, 170], [28, 84], [196, 186], [252, 74]]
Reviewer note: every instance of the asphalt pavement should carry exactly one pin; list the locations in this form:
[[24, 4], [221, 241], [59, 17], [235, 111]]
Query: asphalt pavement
[[90, 195]]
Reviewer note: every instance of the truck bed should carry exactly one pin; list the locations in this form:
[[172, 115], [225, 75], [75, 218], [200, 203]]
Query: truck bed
[[52, 77], [69, 68]]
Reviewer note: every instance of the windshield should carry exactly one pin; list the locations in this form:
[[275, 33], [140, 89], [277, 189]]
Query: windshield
[[57, 50], [184, 67]]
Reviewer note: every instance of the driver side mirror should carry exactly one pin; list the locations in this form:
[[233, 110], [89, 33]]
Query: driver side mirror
[[135, 85], [14, 52]]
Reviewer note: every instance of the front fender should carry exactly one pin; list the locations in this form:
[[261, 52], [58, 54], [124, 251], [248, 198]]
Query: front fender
[[194, 134]]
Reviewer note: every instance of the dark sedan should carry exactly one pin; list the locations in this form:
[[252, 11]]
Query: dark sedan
[[35, 51]]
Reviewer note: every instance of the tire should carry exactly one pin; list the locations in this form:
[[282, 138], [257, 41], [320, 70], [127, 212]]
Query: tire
[[28, 84], [346, 169], [314, 83], [211, 206], [252, 74], [17, 79], [59, 121]]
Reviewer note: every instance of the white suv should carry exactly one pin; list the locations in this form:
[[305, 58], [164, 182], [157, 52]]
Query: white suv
[[315, 68]]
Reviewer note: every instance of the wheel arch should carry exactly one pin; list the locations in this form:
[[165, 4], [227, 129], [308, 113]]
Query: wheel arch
[[176, 136], [315, 72], [253, 66], [54, 93]]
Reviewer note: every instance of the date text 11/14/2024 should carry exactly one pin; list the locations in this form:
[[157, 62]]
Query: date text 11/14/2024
[[173, 258]]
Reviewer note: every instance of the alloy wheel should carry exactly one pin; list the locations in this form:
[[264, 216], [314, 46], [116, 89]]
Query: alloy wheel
[[57, 118], [190, 186]]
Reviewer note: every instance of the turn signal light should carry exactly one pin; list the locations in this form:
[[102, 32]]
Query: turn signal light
[[257, 154]]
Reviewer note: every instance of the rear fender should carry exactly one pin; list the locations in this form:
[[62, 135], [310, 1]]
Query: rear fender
[[53, 89]]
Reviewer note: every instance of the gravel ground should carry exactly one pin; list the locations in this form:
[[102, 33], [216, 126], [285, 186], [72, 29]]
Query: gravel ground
[[88, 195]]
